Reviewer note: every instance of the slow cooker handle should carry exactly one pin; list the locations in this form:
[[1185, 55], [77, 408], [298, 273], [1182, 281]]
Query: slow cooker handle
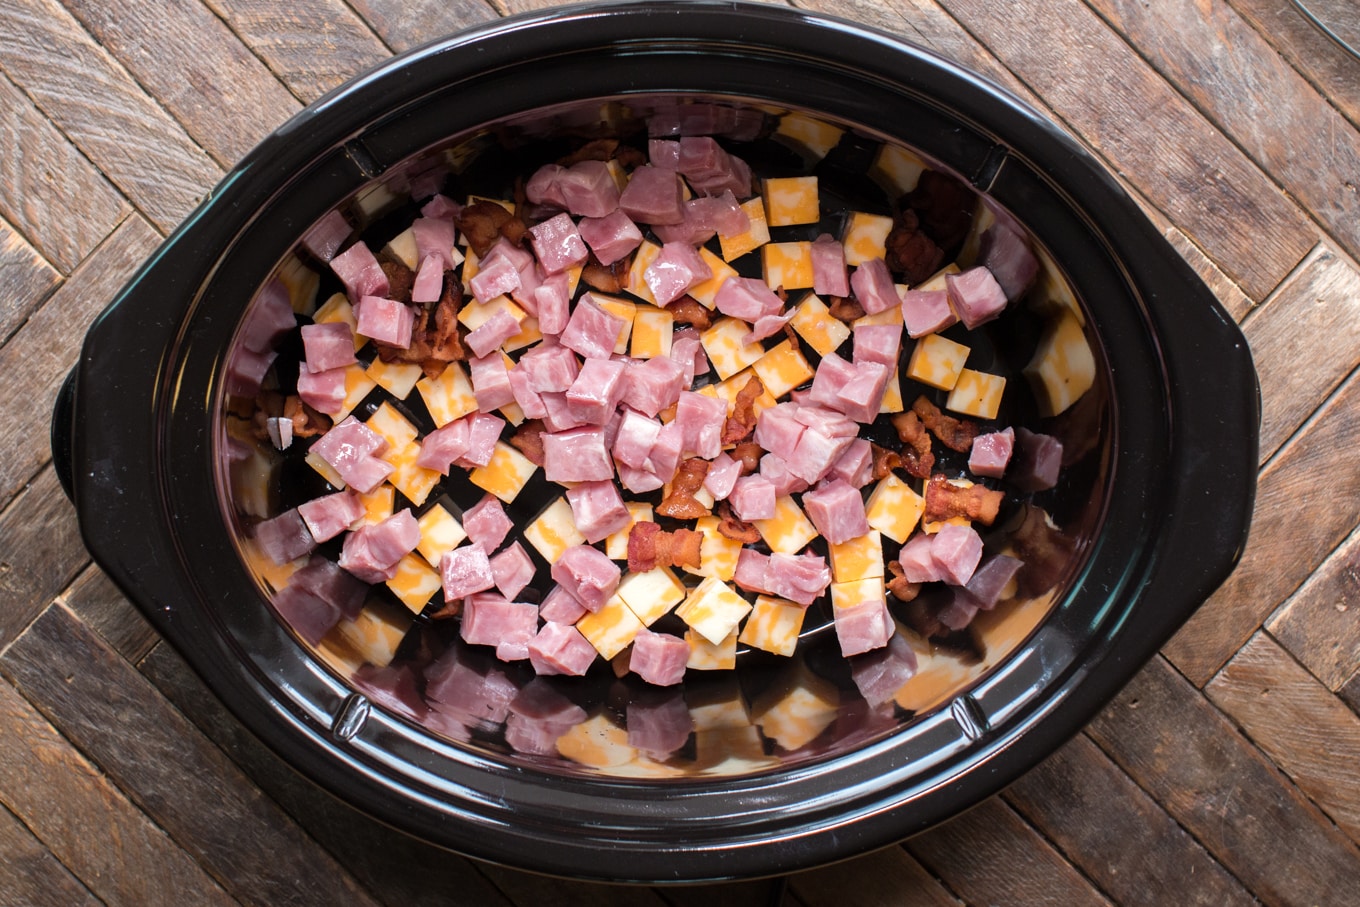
[[63, 430]]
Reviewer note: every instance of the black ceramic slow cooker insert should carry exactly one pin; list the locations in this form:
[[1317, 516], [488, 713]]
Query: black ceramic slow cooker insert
[[1150, 517]]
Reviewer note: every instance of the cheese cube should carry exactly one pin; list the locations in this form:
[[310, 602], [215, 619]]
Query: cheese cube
[[440, 532], [890, 315], [935, 526], [894, 508], [301, 282], [397, 378], [652, 332], [507, 473], [616, 546], [773, 625], [813, 136], [612, 628], [326, 470], [847, 595], [729, 389], [706, 291], [338, 309], [707, 656], [789, 530], [376, 633], [512, 413], [892, 394], [415, 583], [896, 169], [787, 264], [597, 742], [392, 427], [1063, 367], [713, 610], [791, 200], [859, 558], [357, 386], [554, 531], [448, 397], [865, 237], [783, 368], [642, 260], [379, 504], [726, 352], [403, 248], [976, 394], [757, 232], [474, 314], [529, 335], [937, 280], [813, 322], [652, 594], [717, 553], [619, 308], [471, 265], [414, 481], [937, 361]]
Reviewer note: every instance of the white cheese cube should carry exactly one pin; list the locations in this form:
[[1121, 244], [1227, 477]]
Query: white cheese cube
[[338, 309], [397, 378], [642, 260], [440, 532], [651, 595], [507, 473], [378, 504], [896, 169], [403, 248], [976, 394], [892, 394], [713, 610], [357, 386], [554, 531], [789, 530], [894, 508], [392, 426], [810, 135], [937, 361], [773, 625]]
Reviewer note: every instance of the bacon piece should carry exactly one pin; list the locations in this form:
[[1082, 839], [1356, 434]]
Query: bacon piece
[[688, 310], [945, 500], [529, 440], [742, 422], [956, 434], [607, 278], [885, 461], [449, 609], [735, 529], [910, 251], [435, 340], [307, 422], [748, 453], [650, 547], [845, 308], [484, 222], [680, 504], [400, 279], [916, 457], [901, 588]]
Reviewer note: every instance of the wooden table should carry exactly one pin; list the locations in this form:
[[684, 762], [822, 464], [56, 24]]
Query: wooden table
[[1228, 771]]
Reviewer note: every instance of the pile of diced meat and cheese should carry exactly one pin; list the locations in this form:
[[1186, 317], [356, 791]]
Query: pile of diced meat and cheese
[[708, 434]]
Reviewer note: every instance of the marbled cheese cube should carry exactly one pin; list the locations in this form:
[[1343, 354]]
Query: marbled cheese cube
[[789, 530], [642, 260], [412, 480], [894, 508], [392, 427], [415, 583], [326, 470], [713, 610], [896, 169], [651, 595], [512, 413], [859, 558], [757, 232], [619, 308], [706, 291], [847, 595], [773, 625], [612, 628], [787, 265], [379, 504], [813, 322], [813, 136], [554, 531], [892, 394], [783, 368], [791, 200], [507, 473], [1062, 368], [937, 361], [440, 532], [471, 265], [403, 248], [616, 546], [717, 553], [338, 309], [976, 394], [937, 280], [376, 633], [397, 378], [726, 352], [357, 386], [707, 656], [865, 237], [652, 332], [448, 397], [474, 314]]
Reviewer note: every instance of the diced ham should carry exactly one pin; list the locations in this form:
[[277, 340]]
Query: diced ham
[[854, 389], [879, 343], [658, 658], [837, 510], [550, 368], [767, 326], [352, 449], [700, 418], [492, 621], [873, 287], [1036, 462], [863, 627], [513, 570], [331, 514], [465, 571], [487, 524], [688, 350], [747, 298], [610, 237], [545, 186], [560, 606], [372, 552], [800, 578], [710, 169], [918, 565], [529, 400], [441, 206], [753, 498], [591, 331], [385, 320], [856, 465], [558, 244], [327, 235], [484, 430], [598, 510], [557, 416], [310, 616], [491, 382], [752, 571], [778, 430], [975, 296], [722, 476], [653, 384], [434, 239], [658, 727], [429, 283], [1007, 255], [991, 453], [360, 272], [490, 334], [284, 537], [676, 268], [325, 579], [576, 455], [775, 469], [879, 675], [561, 649], [327, 346], [817, 452], [324, 392], [829, 274], [653, 196], [664, 153], [595, 394], [704, 217], [552, 304], [957, 551], [588, 575], [589, 189], [636, 438], [990, 579], [664, 459], [498, 274], [926, 312]]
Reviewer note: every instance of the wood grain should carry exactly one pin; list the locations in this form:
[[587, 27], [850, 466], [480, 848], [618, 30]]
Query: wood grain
[[311, 45], [1117, 834], [1286, 542], [40, 552], [886, 878], [108, 116], [51, 193], [404, 24], [989, 855], [179, 778], [1320, 624], [37, 358], [1298, 723], [68, 803], [26, 279], [189, 61], [1221, 789], [1229, 294], [32, 876], [94, 599]]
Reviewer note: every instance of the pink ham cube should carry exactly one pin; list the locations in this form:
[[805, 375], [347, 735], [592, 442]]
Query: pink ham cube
[[429, 283], [701, 419], [926, 312], [591, 331], [371, 553], [491, 382], [512, 570], [722, 476], [595, 394], [434, 239], [610, 237], [975, 296], [561, 649], [558, 244], [549, 367], [957, 551], [864, 627], [324, 392], [327, 346], [329, 515], [484, 430], [488, 336], [653, 196], [676, 268], [653, 385], [486, 523], [352, 449], [658, 658], [991, 453], [492, 621], [560, 606], [879, 343], [588, 575], [747, 298], [753, 498], [465, 571], [837, 510], [284, 537], [872, 285], [360, 272], [386, 321], [441, 447], [589, 189], [576, 455], [829, 275], [597, 509]]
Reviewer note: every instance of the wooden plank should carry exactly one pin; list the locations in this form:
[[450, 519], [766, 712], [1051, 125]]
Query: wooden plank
[[188, 60], [1305, 341], [403, 871], [103, 111], [177, 776], [37, 358], [30, 875], [103, 608], [1287, 541], [40, 552], [1298, 723], [989, 855], [885, 878], [68, 803], [25, 277], [51, 176], [1222, 790], [311, 45], [1318, 623], [1256, 98], [1149, 132], [1229, 294], [403, 24], [1117, 835]]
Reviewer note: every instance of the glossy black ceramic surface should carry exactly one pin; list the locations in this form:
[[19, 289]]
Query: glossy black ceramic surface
[[1160, 520]]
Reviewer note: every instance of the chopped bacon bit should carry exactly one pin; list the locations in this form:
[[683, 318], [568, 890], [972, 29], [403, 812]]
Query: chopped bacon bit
[[449, 609], [885, 461], [650, 547], [607, 278], [435, 341], [945, 205], [742, 422], [916, 457], [956, 434], [910, 251], [688, 310], [845, 308], [901, 588], [680, 503], [483, 222], [307, 422], [748, 453], [400, 279], [735, 529], [529, 440], [945, 500]]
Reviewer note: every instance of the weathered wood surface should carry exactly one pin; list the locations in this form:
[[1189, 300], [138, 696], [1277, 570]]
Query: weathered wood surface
[[1224, 774]]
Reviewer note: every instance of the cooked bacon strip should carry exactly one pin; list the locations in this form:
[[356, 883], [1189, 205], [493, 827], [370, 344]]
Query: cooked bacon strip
[[650, 547], [956, 434], [680, 504], [945, 500], [735, 529], [688, 310], [607, 278], [901, 588], [916, 457], [845, 308], [484, 222], [748, 453], [742, 422], [307, 422], [529, 440], [446, 344], [885, 461]]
